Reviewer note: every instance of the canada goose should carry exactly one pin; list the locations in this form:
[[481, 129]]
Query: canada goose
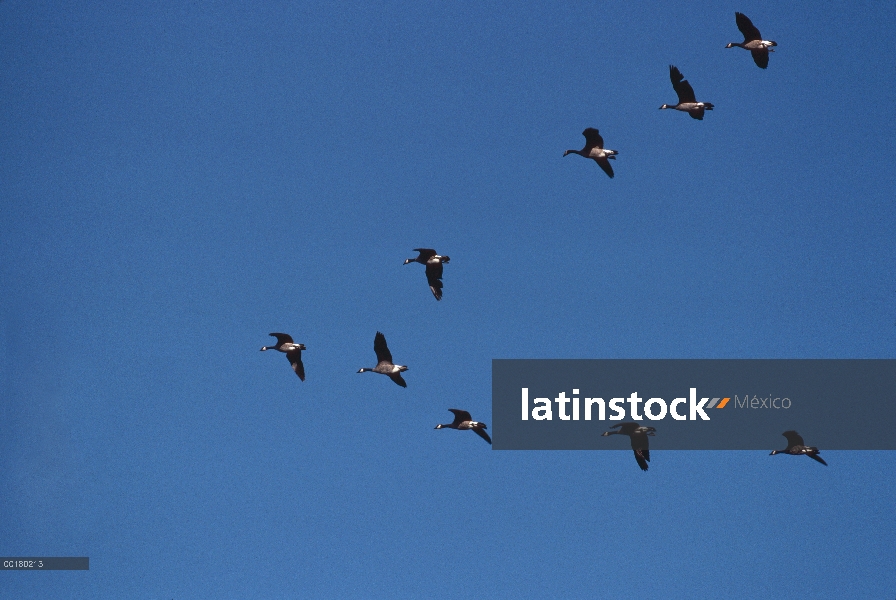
[[293, 352], [638, 435], [687, 101], [385, 365], [433, 264], [796, 447], [463, 420], [753, 41], [594, 149]]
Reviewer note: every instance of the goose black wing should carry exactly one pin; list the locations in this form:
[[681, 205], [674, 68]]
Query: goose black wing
[[481, 433], [460, 416], [642, 457], [746, 27], [604, 164], [381, 349], [760, 57], [425, 253], [295, 359], [627, 428], [592, 138], [434, 279], [434, 270], [640, 443], [793, 438], [282, 338], [814, 456], [641, 448], [681, 86], [397, 378]]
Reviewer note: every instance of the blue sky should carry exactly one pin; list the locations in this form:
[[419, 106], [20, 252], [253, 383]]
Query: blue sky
[[179, 180]]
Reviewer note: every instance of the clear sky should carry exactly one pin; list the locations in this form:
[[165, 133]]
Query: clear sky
[[179, 179]]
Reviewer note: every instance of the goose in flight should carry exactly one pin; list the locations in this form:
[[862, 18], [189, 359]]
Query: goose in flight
[[463, 420], [594, 149], [795, 446], [753, 41], [638, 435], [433, 264], [293, 352], [687, 101], [384, 364]]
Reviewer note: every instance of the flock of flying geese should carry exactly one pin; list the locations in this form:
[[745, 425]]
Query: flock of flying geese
[[385, 365], [687, 99], [687, 102], [638, 435], [594, 149]]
